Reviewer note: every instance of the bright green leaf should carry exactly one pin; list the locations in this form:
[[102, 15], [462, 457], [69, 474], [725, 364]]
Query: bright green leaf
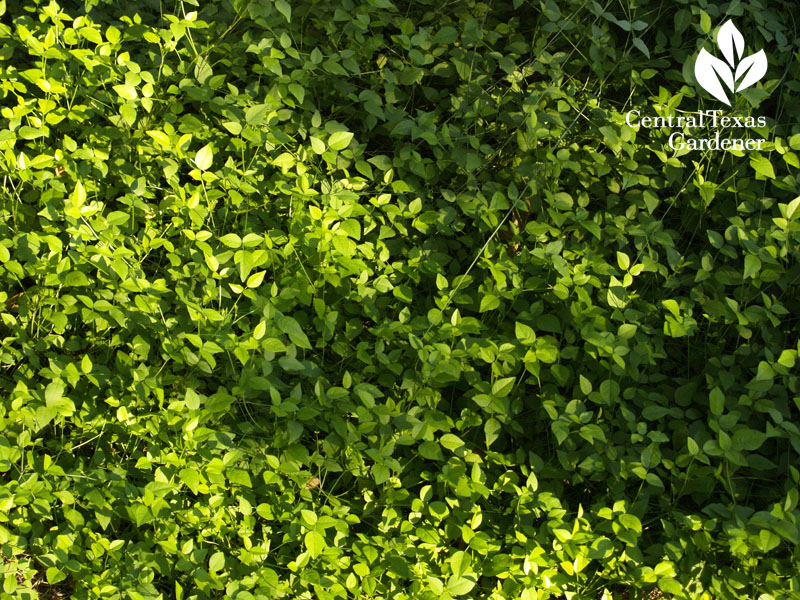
[[339, 140], [204, 158]]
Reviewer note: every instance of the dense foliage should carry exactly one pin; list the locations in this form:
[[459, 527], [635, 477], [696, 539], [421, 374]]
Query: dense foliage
[[386, 299]]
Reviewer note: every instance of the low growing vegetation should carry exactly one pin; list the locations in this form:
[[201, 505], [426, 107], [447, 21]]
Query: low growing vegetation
[[395, 299]]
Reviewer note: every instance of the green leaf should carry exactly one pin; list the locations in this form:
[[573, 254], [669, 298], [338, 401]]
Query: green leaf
[[128, 114], [202, 70], [315, 543], [752, 265], [234, 127], [445, 35], [292, 328], [651, 456], [219, 402], [339, 140], [682, 19], [54, 575], [451, 442], [317, 145], [670, 586], [78, 196], [192, 479], [651, 200], [525, 334], [204, 158], [748, 439], [231, 240], [285, 9], [256, 279], [239, 477], [272, 344], [309, 517], [23, 162], [460, 563], [640, 45], [592, 228], [491, 430], [191, 399], [762, 166], [54, 392], [631, 522], [654, 412], [91, 34], [160, 137], [489, 302], [673, 307], [364, 168], [786, 359], [381, 161], [551, 10], [616, 296], [793, 208], [547, 349], [127, 92], [502, 387], [284, 161], [430, 450], [255, 115], [76, 279], [380, 473], [113, 34], [717, 401], [705, 21], [216, 562], [298, 91], [460, 586], [30, 133], [403, 292]]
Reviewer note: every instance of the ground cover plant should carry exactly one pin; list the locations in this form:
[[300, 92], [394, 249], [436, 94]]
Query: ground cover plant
[[395, 299]]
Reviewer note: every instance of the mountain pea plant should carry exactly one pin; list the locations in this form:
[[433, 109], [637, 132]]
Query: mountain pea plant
[[383, 299]]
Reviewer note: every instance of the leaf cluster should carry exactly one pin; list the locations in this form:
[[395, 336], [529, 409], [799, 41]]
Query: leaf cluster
[[385, 299]]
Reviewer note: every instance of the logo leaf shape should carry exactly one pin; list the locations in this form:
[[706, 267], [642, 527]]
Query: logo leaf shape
[[709, 70], [729, 39], [753, 68]]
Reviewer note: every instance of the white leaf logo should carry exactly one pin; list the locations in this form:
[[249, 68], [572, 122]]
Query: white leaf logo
[[712, 72], [729, 39], [709, 70], [753, 68]]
